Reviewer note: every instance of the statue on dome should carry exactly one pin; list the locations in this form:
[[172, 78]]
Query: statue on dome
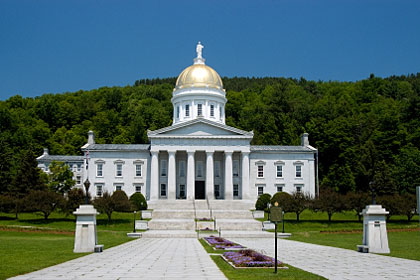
[[199, 50]]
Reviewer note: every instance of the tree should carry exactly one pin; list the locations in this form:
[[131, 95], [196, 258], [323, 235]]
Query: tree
[[407, 169], [60, 178], [105, 204], [138, 201], [75, 197], [121, 202], [407, 205], [283, 199], [391, 203], [299, 202], [357, 202], [329, 202], [262, 202], [44, 201], [28, 177]]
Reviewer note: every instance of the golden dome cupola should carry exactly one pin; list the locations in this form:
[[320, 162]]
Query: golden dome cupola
[[199, 92]]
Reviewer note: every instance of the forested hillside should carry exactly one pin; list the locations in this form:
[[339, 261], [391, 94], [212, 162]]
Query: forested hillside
[[365, 130]]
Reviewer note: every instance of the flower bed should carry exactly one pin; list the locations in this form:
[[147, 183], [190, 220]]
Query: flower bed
[[222, 244], [249, 258]]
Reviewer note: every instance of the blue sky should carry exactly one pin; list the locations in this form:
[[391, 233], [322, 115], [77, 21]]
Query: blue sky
[[63, 46]]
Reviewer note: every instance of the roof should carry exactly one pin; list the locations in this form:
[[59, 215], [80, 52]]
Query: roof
[[117, 147], [266, 148], [200, 120], [60, 158]]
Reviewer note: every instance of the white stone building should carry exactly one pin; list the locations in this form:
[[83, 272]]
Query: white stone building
[[199, 156]]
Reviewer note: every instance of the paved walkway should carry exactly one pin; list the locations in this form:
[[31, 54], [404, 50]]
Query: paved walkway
[[335, 263], [144, 258]]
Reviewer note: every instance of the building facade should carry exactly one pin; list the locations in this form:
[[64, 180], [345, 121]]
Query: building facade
[[199, 156]]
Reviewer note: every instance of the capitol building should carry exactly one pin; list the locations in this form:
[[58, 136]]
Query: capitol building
[[198, 157]]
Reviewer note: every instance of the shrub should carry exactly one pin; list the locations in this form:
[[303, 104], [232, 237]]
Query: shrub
[[262, 202], [329, 202], [298, 203], [7, 203], [105, 204], [407, 205], [390, 203], [121, 202], [75, 197], [283, 199], [138, 201], [357, 202]]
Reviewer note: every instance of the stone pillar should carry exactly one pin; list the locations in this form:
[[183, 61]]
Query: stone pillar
[[209, 175], [154, 176], [190, 175], [245, 175], [228, 176], [375, 238], [171, 176], [85, 238]]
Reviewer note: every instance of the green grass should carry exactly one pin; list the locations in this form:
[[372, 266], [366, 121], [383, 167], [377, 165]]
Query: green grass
[[27, 251]]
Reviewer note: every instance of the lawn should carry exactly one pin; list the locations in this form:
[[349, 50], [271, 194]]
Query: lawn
[[50, 242]]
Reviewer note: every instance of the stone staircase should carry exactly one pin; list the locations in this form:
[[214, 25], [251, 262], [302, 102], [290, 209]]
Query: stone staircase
[[177, 218]]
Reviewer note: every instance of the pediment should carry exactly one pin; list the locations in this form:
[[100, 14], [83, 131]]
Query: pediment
[[199, 128]]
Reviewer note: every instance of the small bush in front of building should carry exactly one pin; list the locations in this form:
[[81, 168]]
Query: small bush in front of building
[[283, 199], [262, 202], [105, 204], [121, 202], [138, 201], [74, 198]]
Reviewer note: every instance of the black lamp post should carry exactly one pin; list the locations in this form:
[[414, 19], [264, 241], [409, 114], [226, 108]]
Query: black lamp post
[[373, 190], [282, 218], [134, 222], [87, 185]]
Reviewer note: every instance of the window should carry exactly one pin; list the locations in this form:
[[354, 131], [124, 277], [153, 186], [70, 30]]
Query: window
[[182, 169], [74, 167], [220, 111], [299, 188], [46, 167], [79, 167], [163, 168], [138, 170], [298, 171], [199, 109], [279, 172], [118, 187], [99, 168], [137, 188], [182, 192], [279, 187], [260, 189], [78, 180], [177, 112], [235, 168], [217, 169], [260, 171], [211, 110], [187, 110], [199, 169], [99, 190], [163, 190], [217, 191], [235, 190], [118, 170]]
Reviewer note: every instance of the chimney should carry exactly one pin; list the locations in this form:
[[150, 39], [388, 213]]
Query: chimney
[[91, 137], [45, 152], [305, 139]]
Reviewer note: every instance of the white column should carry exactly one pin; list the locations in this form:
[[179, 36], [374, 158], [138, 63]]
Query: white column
[[209, 175], [171, 176], [245, 175], [191, 176], [228, 176], [154, 176]]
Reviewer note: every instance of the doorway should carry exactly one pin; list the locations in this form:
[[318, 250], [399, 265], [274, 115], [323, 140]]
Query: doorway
[[200, 190]]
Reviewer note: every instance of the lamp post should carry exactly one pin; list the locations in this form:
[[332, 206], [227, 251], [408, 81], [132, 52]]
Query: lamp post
[[268, 209], [134, 222], [372, 189], [282, 217], [87, 185]]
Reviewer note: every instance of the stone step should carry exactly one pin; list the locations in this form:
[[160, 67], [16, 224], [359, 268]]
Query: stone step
[[231, 204], [246, 234], [170, 204], [201, 205], [172, 224], [232, 214], [238, 224], [173, 214], [170, 234]]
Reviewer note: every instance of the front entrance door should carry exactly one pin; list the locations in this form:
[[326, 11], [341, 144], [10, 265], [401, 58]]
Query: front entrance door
[[200, 190]]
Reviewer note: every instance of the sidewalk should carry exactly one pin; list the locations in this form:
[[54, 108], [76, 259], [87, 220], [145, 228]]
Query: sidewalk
[[144, 258], [335, 263]]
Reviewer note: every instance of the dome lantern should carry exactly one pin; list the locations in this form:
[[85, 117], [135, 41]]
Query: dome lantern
[[199, 92]]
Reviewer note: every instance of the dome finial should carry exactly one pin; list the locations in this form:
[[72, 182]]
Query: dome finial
[[199, 49]]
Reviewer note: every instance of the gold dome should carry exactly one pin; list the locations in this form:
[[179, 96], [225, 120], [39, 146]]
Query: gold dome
[[199, 75]]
